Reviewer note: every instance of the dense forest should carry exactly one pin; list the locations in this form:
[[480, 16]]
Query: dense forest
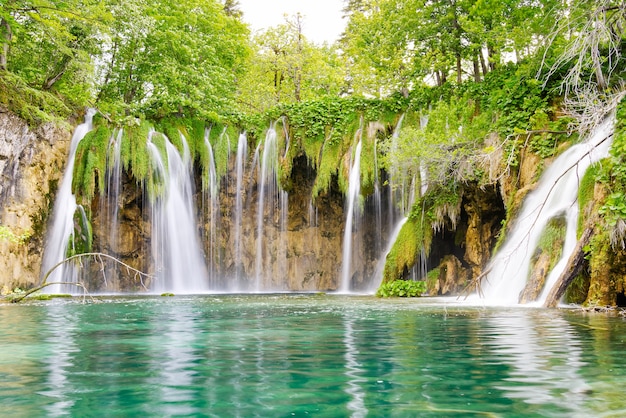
[[493, 78]]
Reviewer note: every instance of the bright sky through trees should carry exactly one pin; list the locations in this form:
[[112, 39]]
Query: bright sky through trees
[[322, 18]]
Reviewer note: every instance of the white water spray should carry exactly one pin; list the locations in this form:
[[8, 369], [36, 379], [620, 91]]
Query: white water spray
[[175, 243], [354, 190], [62, 227], [556, 195]]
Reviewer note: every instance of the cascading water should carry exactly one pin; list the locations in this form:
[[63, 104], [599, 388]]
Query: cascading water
[[213, 209], [62, 228], [556, 195], [175, 244], [109, 208], [269, 202], [354, 190], [240, 165]]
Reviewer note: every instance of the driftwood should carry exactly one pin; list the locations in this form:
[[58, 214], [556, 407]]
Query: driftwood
[[572, 269]]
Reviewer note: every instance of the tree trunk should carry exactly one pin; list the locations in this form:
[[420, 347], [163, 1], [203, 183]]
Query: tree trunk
[[6, 43], [476, 70], [595, 57], [61, 69], [572, 269], [492, 56], [483, 63]]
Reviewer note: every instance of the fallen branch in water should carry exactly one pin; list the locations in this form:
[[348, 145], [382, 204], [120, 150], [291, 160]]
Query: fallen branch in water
[[22, 296], [138, 275]]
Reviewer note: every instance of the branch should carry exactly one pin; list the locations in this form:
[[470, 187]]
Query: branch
[[137, 273], [35, 289]]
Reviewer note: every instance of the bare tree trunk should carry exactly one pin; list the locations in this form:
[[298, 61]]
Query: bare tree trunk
[[572, 269], [597, 66]]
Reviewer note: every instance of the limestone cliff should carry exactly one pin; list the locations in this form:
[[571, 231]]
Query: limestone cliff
[[31, 164]]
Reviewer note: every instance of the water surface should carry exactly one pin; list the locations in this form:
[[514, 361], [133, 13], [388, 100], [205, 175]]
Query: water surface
[[307, 355]]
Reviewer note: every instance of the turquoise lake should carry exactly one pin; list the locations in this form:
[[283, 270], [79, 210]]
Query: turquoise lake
[[307, 355]]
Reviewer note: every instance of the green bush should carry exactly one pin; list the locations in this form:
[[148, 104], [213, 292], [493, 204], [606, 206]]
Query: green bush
[[401, 288]]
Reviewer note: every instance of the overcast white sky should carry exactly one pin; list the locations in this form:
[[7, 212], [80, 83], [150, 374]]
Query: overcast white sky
[[322, 18]]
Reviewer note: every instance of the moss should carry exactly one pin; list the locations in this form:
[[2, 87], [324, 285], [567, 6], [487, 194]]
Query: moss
[[81, 239], [155, 182], [586, 194], [551, 241], [32, 105], [577, 290], [134, 152], [600, 286], [327, 169], [90, 164], [415, 236]]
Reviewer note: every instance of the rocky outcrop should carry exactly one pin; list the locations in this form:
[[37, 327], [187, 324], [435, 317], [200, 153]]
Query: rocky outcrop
[[31, 164]]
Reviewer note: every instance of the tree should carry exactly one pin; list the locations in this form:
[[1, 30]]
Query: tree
[[165, 57], [286, 68], [50, 44]]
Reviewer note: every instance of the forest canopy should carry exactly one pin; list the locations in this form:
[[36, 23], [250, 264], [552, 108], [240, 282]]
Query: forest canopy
[[198, 59]]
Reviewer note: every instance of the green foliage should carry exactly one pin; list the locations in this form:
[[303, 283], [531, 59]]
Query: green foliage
[[172, 58], [401, 288]]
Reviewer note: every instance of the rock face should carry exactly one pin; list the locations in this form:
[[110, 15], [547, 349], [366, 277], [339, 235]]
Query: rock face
[[31, 164], [300, 252]]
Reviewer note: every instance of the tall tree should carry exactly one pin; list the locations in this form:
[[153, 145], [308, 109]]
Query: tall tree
[[287, 68], [168, 57]]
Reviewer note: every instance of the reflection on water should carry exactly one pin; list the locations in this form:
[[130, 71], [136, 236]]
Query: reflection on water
[[297, 355], [353, 372], [60, 326], [544, 357]]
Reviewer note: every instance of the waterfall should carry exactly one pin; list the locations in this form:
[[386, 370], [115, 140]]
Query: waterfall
[[240, 164], [556, 195], [62, 228], [109, 208], [267, 191], [175, 244], [213, 203], [354, 190]]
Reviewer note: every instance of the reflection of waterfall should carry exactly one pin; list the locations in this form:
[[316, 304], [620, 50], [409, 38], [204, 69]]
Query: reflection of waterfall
[[354, 373], [60, 328], [175, 244], [555, 195], [545, 359], [62, 228], [175, 365]]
